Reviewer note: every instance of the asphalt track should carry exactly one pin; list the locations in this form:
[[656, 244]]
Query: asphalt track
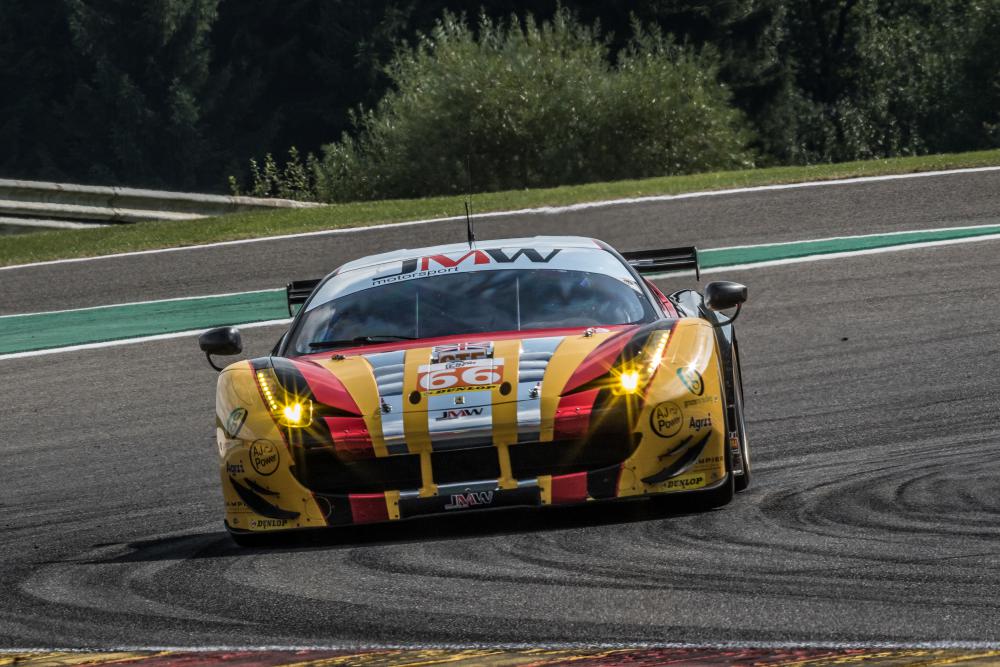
[[873, 417]]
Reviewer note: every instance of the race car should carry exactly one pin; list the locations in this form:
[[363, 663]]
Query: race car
[[483, 375]]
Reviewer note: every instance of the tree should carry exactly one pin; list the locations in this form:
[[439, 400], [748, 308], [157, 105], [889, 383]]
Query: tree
[[141, 89], [35, 68], [533, 104]]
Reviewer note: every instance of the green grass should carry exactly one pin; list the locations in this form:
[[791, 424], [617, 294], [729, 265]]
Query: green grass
[[144, 236]]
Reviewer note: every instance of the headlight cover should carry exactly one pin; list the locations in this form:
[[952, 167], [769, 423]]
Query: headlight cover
[[286, 408], [636, 374]]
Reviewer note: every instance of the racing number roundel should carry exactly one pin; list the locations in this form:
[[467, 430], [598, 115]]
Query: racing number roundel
[[472, 375]]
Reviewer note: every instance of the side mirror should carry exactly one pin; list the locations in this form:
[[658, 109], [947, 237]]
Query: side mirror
[[723, 295], [223, 341]]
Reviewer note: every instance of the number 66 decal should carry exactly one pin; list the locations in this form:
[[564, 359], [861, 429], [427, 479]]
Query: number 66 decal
[[479, 374]]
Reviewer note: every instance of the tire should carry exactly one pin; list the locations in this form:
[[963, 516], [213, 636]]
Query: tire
[[740, 482]]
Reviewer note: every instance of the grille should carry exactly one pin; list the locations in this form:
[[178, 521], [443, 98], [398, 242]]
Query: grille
[[610, 443], [323, 472], [465, 465], [563, 458]]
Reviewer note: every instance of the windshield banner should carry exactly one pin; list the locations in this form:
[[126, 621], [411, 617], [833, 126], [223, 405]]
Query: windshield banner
[[594, 260]]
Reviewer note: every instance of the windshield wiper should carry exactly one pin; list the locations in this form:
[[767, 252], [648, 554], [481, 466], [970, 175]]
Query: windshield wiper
[[366, 340]]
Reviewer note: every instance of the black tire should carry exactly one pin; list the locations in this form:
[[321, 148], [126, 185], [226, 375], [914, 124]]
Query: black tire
[[741, 482]]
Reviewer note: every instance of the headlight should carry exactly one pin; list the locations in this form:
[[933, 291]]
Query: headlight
[[638, 374], [629, 381], [296, 414], [287, 409]]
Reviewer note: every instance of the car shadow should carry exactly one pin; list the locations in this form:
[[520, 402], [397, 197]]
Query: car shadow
[[488, 523]]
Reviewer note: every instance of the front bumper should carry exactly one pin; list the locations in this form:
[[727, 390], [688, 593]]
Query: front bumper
[[422, 508]]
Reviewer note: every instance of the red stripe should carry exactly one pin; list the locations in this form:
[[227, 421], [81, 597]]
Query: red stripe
[[368, 507], [668, 307], [599, 362], [350, 437], [572, 418], [569, 488], [327, 388]]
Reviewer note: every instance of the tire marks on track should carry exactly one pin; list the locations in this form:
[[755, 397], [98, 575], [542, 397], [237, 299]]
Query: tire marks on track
[[872, 517]]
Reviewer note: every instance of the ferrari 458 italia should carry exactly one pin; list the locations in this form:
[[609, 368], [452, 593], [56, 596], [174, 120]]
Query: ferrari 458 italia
[[518, 372]]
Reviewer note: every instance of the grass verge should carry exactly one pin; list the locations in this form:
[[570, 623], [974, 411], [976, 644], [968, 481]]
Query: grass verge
[[145, 236]]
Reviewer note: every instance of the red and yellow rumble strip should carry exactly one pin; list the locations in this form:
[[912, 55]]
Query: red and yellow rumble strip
[[509, 657]]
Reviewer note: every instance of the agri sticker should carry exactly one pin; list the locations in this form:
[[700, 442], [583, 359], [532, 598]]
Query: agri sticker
[[692, 380]]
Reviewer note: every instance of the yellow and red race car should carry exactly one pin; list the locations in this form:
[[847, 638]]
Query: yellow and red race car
[[517, 372]]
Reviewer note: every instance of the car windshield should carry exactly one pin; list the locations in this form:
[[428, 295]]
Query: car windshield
[[471, 303]]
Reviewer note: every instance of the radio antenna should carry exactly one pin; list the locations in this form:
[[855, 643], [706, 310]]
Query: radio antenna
[[468, 225], [470, 232]]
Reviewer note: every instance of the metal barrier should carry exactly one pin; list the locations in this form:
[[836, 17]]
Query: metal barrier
[[38, 203]]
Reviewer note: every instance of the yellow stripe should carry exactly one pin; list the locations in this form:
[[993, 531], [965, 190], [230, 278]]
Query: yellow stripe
[[568, 356], [506, 480], [541, 656], [545, 486], [374, 657], [359, 379], [988, 658], [502, 657], [505, 407], [392, 504], [427, 486], [66, 659], [415, 427], [886, 656], [424, 658]]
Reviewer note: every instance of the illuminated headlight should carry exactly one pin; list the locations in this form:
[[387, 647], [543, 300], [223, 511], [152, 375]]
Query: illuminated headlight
[[287, 410], [296, 414], [629, 381], [637, 376]]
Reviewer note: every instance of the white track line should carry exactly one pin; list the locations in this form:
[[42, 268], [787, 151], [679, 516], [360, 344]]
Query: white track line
[[907, 232], [734, 267], [831, 255], [656, 276], [142, 303], [544, 210], [546, 646]]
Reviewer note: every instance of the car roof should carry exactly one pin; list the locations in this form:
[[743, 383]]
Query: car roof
[[526, 242]]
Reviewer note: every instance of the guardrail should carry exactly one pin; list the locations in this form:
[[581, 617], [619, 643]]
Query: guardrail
[[39, 203]]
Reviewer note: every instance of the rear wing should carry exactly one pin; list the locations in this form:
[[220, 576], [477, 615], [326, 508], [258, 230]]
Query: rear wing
[[665, 260], [298, 291]]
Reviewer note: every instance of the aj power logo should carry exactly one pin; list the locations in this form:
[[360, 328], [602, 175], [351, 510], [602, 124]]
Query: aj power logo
[[264, 457], [666, 419]]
